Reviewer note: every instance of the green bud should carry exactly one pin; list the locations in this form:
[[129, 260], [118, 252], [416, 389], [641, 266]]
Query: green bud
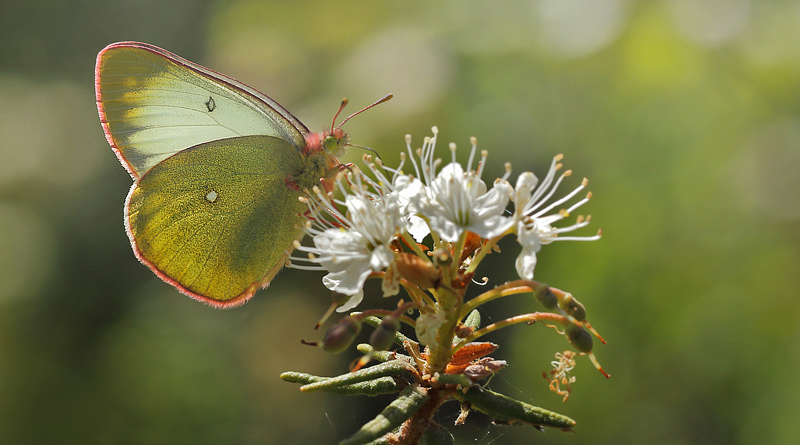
[[580, 338], [546, 296], [340, 335], [383, 336], [573, 307]]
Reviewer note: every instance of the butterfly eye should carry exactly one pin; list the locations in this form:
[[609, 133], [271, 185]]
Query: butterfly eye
[[331, 143]]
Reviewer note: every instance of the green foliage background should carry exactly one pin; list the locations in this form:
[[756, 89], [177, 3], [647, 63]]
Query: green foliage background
[[684, 114]]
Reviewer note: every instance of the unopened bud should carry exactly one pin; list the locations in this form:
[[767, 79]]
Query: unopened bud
[[573, 307], [580, 338], [340, 335], [463, 331], [383, 336], [418, 270], [546, 296], [442, 257]]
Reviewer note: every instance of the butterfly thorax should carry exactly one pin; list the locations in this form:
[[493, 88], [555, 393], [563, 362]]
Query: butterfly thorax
[[319, 160]]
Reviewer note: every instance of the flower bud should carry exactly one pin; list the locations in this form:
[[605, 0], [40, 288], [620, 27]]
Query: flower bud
[[340, 335], [579, 338], [442, 257], [573, 307], [463, 331], [418, 270], [383, 336], [545, 296]]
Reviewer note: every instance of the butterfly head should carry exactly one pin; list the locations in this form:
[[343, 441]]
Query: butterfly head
[[335, 140]]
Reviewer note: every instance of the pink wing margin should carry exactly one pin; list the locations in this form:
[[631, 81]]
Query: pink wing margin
[[230, 82]]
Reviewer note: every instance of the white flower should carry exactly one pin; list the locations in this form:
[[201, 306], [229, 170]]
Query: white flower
[[407, 189], [455, 200], [533, 226], [353, 245]]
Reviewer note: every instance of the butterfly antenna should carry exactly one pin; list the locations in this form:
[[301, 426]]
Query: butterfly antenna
[[378, 102], [341, 107], [368, 149]]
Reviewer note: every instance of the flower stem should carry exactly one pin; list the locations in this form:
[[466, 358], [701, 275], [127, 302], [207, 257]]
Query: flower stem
[[482, 253], [510, 288], [448, 303], [524, 318]]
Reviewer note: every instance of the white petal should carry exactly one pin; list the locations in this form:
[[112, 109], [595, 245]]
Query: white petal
[[391, 281], [526, 262], [492, 227], [526, 183], [349, 281], [528, 237], [352, 302], [418, 228], [448, 230]]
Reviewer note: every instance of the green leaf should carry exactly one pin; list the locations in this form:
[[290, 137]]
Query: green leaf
[[454, 379], [507, 410], [382, 385], [382, 356], [391, 368], [473, 320], [401, 409]]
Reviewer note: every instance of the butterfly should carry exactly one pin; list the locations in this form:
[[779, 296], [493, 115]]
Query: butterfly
[[217, 170]]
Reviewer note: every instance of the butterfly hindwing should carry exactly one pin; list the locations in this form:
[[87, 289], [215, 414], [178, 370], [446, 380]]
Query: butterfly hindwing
[[216, 219]]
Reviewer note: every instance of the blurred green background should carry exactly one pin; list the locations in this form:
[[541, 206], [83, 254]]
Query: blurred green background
[[684, 114]]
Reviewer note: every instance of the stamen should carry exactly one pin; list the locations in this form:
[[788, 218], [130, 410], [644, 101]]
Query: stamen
[[580, 203], [484, 155], [472, 150], [549, 195], [544, 186]]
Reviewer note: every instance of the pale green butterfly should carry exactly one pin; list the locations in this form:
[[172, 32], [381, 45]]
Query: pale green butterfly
[[217, 166]]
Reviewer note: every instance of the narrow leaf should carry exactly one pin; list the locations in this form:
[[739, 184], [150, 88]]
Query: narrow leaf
[[410, 400], [391, 368], [382, 385], [507, 410]]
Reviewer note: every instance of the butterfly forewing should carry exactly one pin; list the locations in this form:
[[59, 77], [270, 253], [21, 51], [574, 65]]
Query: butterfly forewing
[[154, 104]]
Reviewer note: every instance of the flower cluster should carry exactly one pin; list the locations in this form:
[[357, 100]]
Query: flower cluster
[[390, 206], [426, 227]]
